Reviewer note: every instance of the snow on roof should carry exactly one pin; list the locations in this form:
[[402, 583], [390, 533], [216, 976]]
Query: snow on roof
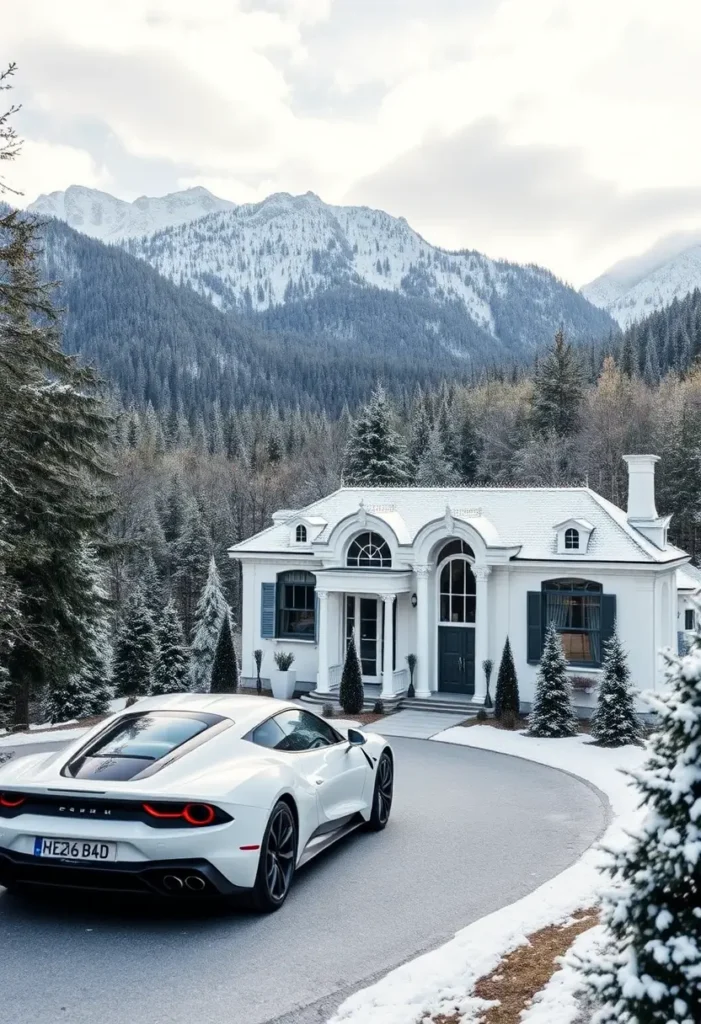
[[523, 517], [689, 578]]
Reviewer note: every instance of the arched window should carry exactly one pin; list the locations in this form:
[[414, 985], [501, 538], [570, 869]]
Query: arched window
[[455, 547], [572, 539], [457, 592], [301, 534], [574, 607], [295, 605], [369, 551]]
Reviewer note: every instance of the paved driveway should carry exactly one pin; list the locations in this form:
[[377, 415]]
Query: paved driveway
[[471, 831]]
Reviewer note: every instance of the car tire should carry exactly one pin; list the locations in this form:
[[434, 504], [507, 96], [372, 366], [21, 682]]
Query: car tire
[[278, 859], [382, 794]]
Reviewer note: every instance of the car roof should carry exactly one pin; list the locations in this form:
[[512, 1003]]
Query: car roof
[[240, 708]]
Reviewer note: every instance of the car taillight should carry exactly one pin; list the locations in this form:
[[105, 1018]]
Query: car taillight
[[11, 799], [191, 814]]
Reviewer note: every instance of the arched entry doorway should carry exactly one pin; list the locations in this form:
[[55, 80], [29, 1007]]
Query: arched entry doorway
[[457, 607]]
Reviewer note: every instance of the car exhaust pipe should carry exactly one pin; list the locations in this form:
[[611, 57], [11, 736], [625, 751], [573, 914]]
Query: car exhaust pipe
[[172, 883], [195, 883]]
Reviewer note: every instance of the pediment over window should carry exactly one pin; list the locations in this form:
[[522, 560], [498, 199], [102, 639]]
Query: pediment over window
[[572, 536]]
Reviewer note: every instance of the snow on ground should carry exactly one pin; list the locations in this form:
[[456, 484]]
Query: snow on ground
[[557, 1002], [443, 981], [19, 739]]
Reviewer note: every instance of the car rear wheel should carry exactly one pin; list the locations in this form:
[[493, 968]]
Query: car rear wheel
[[382, 796], [278, 857]]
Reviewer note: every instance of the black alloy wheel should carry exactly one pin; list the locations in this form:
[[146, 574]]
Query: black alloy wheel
[[382, 797], [278, 858]]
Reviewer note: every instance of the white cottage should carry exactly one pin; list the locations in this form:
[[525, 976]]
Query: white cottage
[[448, 573]]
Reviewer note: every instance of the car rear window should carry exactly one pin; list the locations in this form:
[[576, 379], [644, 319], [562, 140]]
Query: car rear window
[[136, 742]]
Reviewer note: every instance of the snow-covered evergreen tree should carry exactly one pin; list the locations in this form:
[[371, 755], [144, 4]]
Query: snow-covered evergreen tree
[[434, 468], [552, 713], [351, 693], [506, 698], [68, 699], [171, 667], [135, 649], [558, 390], [97, 672], [650, 970], [614, 722], [375, 452], [208, 619], [225, 672], [468, 450], [192, 553], [152, 587], [420, 434]]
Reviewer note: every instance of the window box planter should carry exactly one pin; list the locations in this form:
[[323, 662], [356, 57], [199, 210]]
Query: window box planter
[[283, 684], [584, 684]]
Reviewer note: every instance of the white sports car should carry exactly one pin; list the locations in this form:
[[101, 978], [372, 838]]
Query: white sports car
[[189, 796]]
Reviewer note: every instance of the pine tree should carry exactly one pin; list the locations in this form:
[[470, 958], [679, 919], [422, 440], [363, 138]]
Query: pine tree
[[351, 693], [649, 971], [54, 433], [376, 455], [135, 649], [651, 372], [67, 700], [506, 698], [449, 437], [208, 619], [420, 435], [614, 722], [97, 673], [434, 468], [468, 444], [558, 390], [192, 554], [171, 667], [225, 673], [152, 587], [552, 713]]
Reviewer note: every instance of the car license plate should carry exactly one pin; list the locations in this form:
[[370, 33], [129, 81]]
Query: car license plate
[[74, 849]]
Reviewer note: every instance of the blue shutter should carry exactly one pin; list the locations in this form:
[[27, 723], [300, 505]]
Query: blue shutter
[[535, 625], [267, 610], [608, 619]]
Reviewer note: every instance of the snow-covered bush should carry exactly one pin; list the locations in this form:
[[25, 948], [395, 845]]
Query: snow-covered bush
[[208, 619], [614, 722], [170, 673], [650, 970], [553, 712]]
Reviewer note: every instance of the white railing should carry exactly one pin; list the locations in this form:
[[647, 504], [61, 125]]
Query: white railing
[[335, 673], [400, 680]]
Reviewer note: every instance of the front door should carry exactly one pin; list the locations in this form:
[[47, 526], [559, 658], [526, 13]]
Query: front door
[[456, 659]]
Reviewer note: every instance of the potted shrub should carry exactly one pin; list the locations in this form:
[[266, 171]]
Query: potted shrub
[[283, 681]]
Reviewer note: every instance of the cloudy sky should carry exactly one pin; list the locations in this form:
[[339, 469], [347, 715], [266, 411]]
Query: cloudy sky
[[562, 132]]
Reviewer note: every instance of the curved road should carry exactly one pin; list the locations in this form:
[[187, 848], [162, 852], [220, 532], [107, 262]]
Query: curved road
[[470, 832]]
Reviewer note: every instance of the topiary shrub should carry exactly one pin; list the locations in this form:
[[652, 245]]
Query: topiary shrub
[[507, 697], [378, 708], [351, 693], [482, 715], [509, 720]]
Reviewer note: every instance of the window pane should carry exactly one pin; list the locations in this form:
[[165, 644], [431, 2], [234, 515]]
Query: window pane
[[470, 603], [149, 736], [458, 576], [577, 646], [445, 608], [445, 579], [457, 608], [269, 734]]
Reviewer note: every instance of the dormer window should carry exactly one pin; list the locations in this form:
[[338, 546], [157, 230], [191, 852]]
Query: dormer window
[[572, 540], [572, 537], [301, 534]]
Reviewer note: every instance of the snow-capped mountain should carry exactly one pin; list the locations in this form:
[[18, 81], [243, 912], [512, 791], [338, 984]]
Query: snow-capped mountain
[[636, 287], [289, 250], [110, 219]]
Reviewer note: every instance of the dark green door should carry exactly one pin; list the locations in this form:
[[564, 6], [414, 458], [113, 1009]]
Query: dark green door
[[456, 659]]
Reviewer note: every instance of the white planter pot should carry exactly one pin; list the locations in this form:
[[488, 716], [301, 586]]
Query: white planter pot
[[283, 684]]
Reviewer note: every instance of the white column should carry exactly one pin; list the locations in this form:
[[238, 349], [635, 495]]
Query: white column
[[482, 630], [387, 667], [422, 677], [322, 675]]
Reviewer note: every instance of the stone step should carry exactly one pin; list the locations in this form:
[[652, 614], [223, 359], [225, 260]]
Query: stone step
[[437, 705], [369, 700]]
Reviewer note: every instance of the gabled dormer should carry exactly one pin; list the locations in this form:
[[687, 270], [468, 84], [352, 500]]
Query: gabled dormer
[[572, 536], [304, 530]]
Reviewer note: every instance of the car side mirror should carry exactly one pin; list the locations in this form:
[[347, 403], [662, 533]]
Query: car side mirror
[[356, 738]]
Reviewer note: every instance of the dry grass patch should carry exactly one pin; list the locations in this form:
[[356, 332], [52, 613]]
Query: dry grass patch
[[524, 972]]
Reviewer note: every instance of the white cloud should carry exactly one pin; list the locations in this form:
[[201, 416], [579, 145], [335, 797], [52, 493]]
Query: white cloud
[[258, 95], [45, 167]]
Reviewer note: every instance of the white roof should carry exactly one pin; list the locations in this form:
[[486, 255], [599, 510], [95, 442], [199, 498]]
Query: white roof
[[689, 578], [521, 517]]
